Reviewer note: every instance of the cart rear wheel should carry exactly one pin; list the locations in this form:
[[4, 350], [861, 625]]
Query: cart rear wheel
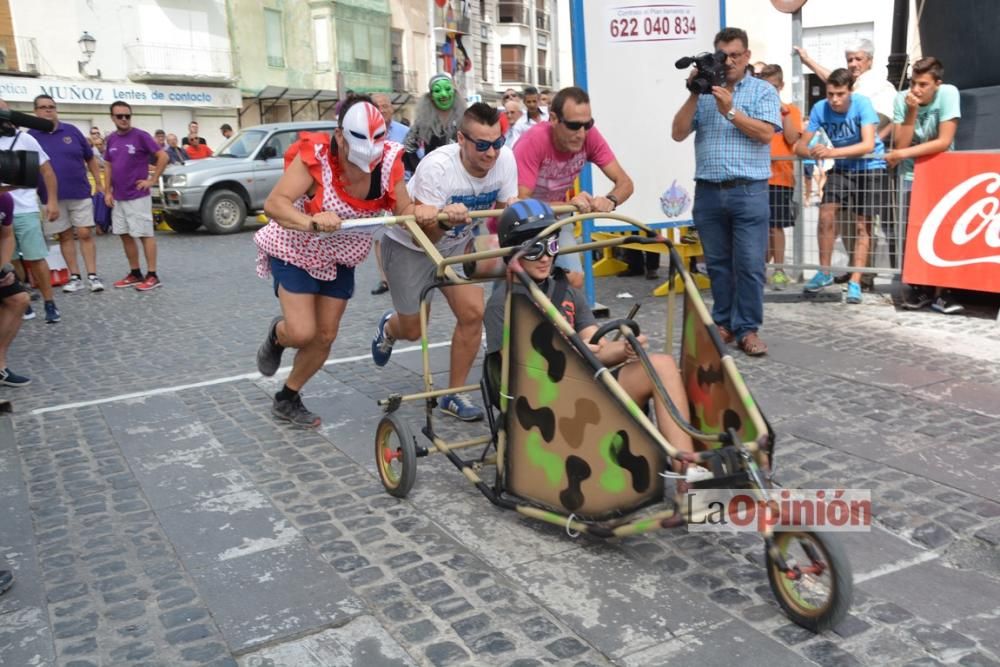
[[815, 592], [395, 455]]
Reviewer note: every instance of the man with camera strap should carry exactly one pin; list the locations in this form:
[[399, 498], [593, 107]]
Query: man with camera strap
[[30, 240], [734, 116]]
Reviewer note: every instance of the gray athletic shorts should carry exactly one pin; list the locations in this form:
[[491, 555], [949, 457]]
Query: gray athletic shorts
[[408, 272]]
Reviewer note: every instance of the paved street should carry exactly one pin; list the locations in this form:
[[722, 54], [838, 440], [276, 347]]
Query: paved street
[[155, 514]]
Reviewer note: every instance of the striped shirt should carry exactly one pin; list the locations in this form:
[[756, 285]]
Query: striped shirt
[[722, 152]]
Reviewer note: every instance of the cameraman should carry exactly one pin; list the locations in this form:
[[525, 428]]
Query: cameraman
[[734, 126], [30, 241], [13, 297]]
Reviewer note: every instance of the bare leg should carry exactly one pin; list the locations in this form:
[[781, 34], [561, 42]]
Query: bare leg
[[310, 325], [777, 245], [131, 251], [68, 247], [827, 220], [861, 246], [149, 249], [87, 248], [39, 269], [639, 386], [11, 310]]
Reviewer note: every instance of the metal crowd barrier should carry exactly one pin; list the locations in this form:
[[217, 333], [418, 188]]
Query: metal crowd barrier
[[877, 197]]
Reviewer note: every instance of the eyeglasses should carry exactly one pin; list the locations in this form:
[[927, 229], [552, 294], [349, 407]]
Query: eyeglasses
[[47, 107], [482, 145], [538, 249], [574, 125], [123, 116], [735, 56]]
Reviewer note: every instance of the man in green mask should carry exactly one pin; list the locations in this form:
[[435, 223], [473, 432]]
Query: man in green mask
[[438, 116], [442, 91]]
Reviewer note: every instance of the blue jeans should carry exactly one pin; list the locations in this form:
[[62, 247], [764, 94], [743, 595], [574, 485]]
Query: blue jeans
[[732, 224]]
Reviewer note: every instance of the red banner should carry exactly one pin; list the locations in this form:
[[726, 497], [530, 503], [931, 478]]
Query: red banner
[[953, 239]]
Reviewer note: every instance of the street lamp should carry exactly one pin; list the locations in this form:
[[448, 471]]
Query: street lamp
[[87, 45]]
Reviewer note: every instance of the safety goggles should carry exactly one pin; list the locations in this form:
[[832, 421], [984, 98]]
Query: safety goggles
[[574, 125], [538, 249], [482, 145]]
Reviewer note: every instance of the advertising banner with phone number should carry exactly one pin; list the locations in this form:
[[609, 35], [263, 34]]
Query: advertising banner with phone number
[[624, 57]]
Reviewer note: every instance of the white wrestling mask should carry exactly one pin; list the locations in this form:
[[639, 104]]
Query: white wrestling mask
[[364, 130]]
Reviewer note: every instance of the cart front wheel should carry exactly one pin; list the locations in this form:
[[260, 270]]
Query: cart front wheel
[[395, 455], [816, 589]]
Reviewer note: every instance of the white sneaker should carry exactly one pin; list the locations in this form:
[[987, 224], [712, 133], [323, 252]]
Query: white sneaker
[[695, 503], [74, 285], [95, 284]]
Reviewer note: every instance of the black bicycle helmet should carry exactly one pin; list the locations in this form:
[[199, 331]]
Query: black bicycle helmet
[[522, 221]]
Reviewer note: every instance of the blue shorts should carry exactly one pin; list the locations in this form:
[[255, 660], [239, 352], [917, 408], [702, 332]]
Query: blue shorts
[[298, 281]]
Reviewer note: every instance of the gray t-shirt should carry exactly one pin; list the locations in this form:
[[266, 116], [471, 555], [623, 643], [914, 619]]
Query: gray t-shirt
[[573, 307]]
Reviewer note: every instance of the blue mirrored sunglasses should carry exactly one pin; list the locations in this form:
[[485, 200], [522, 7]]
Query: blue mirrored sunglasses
[[482, 145], [537, 249]]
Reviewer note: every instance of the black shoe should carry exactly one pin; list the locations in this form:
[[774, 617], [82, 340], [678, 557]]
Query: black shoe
[[381, 288], [842, 278], [6, 580], [868, 282], [295, 413], [917, 298], [652, 274], [269, 352], [631, 273]]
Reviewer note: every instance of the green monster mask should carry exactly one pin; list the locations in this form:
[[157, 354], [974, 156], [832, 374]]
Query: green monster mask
[[442, 93]]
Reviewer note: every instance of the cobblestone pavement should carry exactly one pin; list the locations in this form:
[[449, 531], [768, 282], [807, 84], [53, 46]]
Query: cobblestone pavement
[[177, 524]]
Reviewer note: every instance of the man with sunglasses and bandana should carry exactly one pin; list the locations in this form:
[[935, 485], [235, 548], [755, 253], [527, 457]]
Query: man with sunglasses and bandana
[[551, 155], [520, 223], [733, 128], [476, 174]]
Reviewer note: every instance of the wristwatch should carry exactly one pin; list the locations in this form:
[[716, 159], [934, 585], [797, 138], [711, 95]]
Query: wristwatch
[[613, 199], [731, 114]]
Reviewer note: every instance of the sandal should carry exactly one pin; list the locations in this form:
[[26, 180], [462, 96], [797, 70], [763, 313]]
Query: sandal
[[381, 288], [725, 334], [752, 345]]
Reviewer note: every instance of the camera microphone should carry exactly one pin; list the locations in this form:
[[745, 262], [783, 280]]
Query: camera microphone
[[684, 62], [26, 120]]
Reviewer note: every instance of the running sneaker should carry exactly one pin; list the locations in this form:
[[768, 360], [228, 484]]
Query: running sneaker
[[6, 580], [917, 298], [128, 281], [150, 283], [51, 313], [818, 282], [853, 292], [460, 407], [74, 284], [12, 379], [779, 280], [269, 352], [29, 314], [295, 413], [95, 283], [945, 304], [382, 342]]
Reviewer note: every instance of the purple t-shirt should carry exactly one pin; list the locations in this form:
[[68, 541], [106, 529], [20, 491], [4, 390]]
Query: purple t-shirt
[[68, 152], [128, 155], [6, 209]]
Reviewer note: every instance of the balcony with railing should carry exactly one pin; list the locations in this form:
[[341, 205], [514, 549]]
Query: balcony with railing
[[513, 12], [513, 72], [543, 21], [544, 77], [404, 80], [19, 55], [156, 62]]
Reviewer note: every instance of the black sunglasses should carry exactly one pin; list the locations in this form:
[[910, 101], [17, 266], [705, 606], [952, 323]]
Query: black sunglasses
[[574, 125], [537, 249], [123, 116], [482, 145]]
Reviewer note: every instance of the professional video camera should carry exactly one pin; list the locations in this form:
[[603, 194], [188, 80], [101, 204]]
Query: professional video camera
[[20, 167], [711, 71]]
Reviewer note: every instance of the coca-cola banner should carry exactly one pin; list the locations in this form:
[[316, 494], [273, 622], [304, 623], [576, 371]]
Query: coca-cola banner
[[953, 238]]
